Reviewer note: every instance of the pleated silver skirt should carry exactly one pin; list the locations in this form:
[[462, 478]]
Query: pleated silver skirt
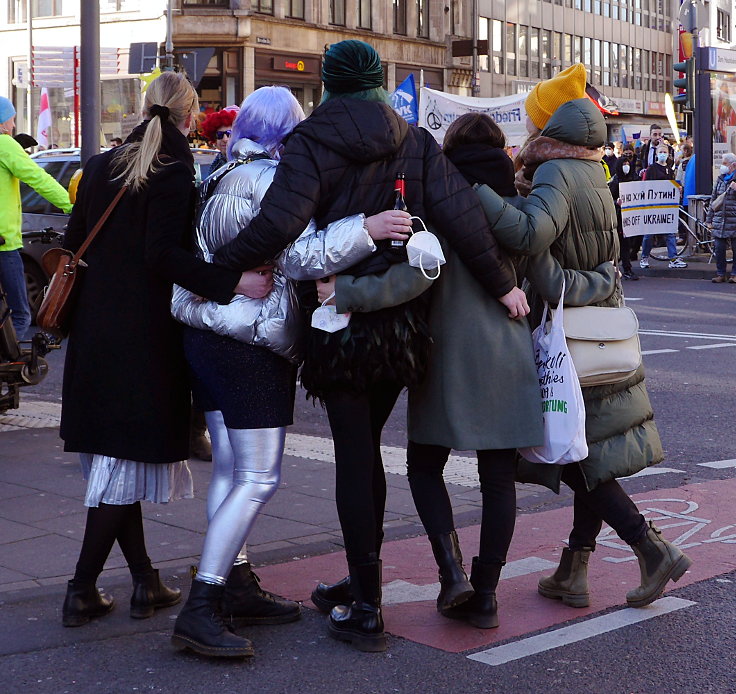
[[117, 481]]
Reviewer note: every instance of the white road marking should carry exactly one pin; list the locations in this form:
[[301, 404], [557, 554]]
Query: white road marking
[[719, 464], [658, 351], [656, 470], [722, 344], [402, 591], [696, 336], [460, 470], [578, 632]]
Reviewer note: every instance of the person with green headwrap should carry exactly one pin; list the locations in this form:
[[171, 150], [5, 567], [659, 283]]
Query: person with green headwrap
[[345, 157]]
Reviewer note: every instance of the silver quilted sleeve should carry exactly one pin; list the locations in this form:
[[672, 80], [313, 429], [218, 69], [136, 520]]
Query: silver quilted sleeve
[[322, 252]]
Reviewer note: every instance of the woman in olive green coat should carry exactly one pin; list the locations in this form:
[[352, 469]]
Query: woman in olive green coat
[[569, 215]]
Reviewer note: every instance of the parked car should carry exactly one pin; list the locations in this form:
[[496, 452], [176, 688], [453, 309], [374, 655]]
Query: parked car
[[43, 224]]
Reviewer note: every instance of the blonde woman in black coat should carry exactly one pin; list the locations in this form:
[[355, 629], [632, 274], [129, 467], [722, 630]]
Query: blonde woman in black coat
[[125, 394]]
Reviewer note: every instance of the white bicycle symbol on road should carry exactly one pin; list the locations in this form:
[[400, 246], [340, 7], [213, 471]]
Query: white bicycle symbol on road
[[671, 513]]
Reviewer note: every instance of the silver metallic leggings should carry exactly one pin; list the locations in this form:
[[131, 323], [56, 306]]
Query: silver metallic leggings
[[245, 475]]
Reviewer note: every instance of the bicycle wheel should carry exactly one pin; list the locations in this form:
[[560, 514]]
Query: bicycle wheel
[[659, 249]]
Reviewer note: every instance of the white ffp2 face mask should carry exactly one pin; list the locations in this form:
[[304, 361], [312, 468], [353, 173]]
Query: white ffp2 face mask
[[328, 319], [626, 168], [724, 170], [424, 251], [662, 158]]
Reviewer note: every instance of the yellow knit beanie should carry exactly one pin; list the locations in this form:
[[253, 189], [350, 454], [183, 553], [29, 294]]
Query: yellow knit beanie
[[548, 96]]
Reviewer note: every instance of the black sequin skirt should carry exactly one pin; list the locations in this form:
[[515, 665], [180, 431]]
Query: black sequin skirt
[[252, 387]]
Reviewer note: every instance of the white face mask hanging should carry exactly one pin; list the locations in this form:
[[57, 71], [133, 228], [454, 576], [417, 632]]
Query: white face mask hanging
[[424, 251], [328, 319]]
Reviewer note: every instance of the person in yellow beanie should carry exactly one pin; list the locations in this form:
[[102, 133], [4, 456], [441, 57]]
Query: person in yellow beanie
[[567, 227], [549, 95]]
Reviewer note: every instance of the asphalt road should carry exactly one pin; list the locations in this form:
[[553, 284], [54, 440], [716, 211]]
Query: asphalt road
[[688, 336]]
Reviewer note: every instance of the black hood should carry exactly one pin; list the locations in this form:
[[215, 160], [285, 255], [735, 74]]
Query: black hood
[[362, 131], [484, 164]]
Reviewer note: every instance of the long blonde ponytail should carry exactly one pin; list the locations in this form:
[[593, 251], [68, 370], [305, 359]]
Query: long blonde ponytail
[[170, 92]]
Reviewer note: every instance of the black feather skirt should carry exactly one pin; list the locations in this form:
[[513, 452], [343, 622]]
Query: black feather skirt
[[392, 344]]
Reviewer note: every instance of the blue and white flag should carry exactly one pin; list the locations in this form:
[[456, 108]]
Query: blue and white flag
[[404, 100]]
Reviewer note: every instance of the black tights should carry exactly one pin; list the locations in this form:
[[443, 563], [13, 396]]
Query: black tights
[[496, 469], [607, 502], [108, 523], [356, 421]]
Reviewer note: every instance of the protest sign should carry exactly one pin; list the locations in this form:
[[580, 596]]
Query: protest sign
[[649, 207], [437, 110]]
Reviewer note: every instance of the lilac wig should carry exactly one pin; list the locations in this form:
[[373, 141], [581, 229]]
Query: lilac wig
[[266, 116]]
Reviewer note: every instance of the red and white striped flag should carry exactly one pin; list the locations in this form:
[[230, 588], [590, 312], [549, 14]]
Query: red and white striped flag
[[44, 119]]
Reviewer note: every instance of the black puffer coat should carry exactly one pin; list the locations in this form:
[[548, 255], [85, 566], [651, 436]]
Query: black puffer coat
[[343, 160]]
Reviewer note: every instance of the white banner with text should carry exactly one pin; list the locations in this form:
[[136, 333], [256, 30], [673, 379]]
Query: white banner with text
[[649, 207]]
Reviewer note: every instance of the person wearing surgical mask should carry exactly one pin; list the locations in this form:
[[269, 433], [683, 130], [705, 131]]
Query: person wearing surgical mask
[[722, 222], [660, 171], [609, 156], [625, 172]]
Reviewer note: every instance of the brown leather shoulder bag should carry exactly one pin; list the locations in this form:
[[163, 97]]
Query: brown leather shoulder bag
[[66, 270]]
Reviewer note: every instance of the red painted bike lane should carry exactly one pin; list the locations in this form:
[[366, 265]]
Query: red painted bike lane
[[700, 518]]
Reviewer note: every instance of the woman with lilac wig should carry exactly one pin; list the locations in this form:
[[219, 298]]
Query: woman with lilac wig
[[243, 357]]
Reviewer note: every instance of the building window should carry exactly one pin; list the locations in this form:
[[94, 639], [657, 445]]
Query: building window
[[637, 12], [588, 52], [523, 51], [615, 66], [262, 6], [723, 26], [624, 10], [567, 58], [295, 9], [497, 37], [128, 5], [546, 54], [46, 8], [624, 55], [614, 10], [337, 12], [364, 14], [483, 60], [534, 52], [400, 17], [510, 48], [423, 18], [606, 63], [577, 44], [597, 6], [195, 3], [588, 5]]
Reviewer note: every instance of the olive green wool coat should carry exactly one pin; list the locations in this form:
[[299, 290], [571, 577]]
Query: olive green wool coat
[[568, 221]]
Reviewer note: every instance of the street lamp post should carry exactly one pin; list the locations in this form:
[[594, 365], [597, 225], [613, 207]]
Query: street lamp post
[[89, 81]]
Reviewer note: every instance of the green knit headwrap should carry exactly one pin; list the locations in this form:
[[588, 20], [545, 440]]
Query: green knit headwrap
[[351, 66]]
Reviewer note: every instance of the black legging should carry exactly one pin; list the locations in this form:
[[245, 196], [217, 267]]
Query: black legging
[[108, 523], [496, 470], [356, 421], [607, 502]]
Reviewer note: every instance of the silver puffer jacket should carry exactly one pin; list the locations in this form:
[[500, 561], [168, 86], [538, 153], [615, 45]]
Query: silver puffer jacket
[[273, 322]]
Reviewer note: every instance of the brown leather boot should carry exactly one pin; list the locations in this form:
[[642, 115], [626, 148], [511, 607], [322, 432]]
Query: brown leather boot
[[199, 445], [659, 561], [569, 582]]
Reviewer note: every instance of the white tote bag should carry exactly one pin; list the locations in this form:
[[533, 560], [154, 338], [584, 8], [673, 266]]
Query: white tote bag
[[563, 409]]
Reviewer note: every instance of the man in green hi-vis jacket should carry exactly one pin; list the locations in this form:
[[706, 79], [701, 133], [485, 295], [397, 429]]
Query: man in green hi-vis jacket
[[17, 166]]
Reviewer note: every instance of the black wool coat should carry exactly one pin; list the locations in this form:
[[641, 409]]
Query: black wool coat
[[126, 389]]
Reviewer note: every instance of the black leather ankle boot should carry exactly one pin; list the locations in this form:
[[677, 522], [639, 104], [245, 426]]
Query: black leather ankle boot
[[150, 594], [83, 602], [326, 596], [246, 603], [200, 627], [361, 624], [454, 585], [482, 609]]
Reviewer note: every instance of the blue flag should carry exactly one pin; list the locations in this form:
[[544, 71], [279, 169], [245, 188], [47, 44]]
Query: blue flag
[[404, 100], [623, 135]]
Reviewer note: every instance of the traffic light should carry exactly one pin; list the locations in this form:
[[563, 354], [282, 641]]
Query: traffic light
[[687, 97]]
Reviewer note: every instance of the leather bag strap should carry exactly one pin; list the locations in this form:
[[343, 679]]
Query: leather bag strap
[[100, 223]]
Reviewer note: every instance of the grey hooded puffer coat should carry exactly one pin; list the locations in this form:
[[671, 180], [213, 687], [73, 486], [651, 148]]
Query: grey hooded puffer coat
[[275, 321], [570, 216]]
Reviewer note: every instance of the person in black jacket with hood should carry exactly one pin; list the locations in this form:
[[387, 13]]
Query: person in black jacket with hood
[[625, 173], [344, 159]]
